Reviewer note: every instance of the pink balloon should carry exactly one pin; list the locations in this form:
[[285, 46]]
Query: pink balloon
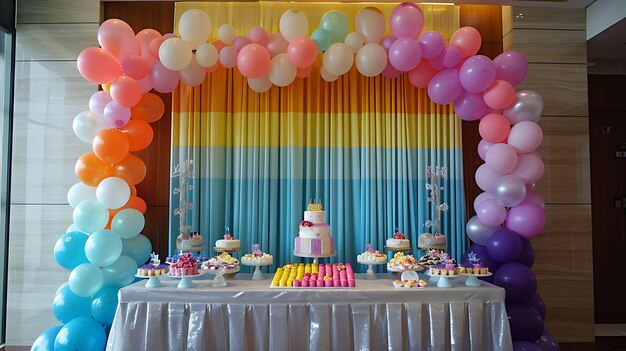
[[525, 136], [511, 66], [98, 66], [501, 158], [116, 116], [253, 61], [421, 75], [529, 167], [228, 57], [445, 87], [483, 146], [534, 199], [302, 52], [432, 44], [118, 38], [470, 106], [144, 38], [406, 21], [499, 95], [451, 56], [136, 66], [240, 42], [477, 73], [491, 213], [163, 80], [527, 220], [169, 35], [145, 84], [494, 128], [486, 178], [467, 39], [304, 72], [154, 47], [276, 44], [405, 54], [390, 72], [125, 91], [98, 101], [258, 35], [481, 198], [437, 62], [387, 41]]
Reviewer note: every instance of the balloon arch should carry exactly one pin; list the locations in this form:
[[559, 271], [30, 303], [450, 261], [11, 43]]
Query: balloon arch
[[103, 247]]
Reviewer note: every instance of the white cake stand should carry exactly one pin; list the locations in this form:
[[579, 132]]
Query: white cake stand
[[472, 279], [185, 280], [315, 257], [370, 275], [398, 249], [153, 280], [258, 274], [444, 280]]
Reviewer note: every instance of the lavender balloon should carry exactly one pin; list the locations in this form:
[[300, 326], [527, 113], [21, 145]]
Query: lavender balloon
[[387, 41], [432, 44], [451, 56], [527, 107], [533, 198], [115, 115], [98, 101], [477, 231], [509, 190], [477, 73], [504, 245], [469, 106], [529, 167], [491, 213], [527, 220], [511, 66], [405, 54], [481, 198], [501, 158], [445, 87], [526, 323], [518, 281], [483, 146], [406, 21], [486, 178]]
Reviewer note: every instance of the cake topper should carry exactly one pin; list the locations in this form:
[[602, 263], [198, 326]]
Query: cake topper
[[368, 248], [398, 234], [472, 259], [315, 205], [256, 250], [154, 258], [227, 228]]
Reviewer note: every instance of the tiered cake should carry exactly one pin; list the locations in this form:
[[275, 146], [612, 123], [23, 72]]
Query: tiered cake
[[314, 236]]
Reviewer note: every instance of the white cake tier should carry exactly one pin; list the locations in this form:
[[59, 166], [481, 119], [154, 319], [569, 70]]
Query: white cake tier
[[316, 231], [398, 243], [315, 217], [228, 244], [314, 246]]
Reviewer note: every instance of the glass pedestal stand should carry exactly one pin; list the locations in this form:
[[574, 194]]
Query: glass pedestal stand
[[186, 281], [316, 257], [153, 281], [444, 281], [258, 274], [370, 275], [472, 279]]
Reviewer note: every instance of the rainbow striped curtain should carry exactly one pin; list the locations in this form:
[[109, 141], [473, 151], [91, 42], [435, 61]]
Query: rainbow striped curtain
[[359, 144]]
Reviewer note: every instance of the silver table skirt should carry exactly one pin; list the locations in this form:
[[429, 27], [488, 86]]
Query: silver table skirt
[[249, 315]]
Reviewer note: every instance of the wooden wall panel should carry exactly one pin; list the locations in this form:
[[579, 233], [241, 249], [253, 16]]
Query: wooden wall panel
[[548, 18], [548, 46]]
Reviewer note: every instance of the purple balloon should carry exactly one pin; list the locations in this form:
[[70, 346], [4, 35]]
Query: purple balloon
[[504, 245], [116, 115], [406, 21], [533, 198], [491, 213], [477, 73], [469, 106], [163, 80], [387, 41], [511, 66], [451, 56], [525, 322], [432, 44], [483, 146], [240, 42], [98, 101], [527, 258], [527, 220], [537, 303], [445, 87], [525, 346], [548, 342], [437, 62], [405, 54], [518, 281], [486, 178], [482, 197]]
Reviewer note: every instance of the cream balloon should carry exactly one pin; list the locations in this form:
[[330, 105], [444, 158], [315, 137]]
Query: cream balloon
[[371, 60], [226, 33], [327, 76], [207, 55], [260, 85], [193, 75], [282, 72], [354, 41], [175, 54], [113, 192], [80, 192], [370, 23], [338, 59], [194, 27], [293, 23]]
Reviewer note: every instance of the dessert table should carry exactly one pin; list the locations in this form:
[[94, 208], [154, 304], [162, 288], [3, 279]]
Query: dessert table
[[249, 315]]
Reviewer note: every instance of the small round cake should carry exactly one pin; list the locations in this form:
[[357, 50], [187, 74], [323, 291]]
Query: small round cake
[[398, 241], [446, 266], [257, 258], [372, 257], [430, 258], [228, 243], [430, 241], [186, 242], [400, 262], [223, 261], [152, 270], [185, 266]]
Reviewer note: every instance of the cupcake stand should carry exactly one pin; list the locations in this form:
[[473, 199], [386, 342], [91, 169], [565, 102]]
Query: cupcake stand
[[153, 281], [444, 281], [370, 275], [222, 274], [315, 257], [472, 279], [185, 280], [258, 274]]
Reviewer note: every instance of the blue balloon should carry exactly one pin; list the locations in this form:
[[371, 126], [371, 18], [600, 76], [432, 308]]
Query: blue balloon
[[104, 304], [69, 250], [90, 216], [121, 272], [103, 247], [45, 340], [139, 248], [81, 334], [86, 279], [322, 39], [128, 223], [67, 305]]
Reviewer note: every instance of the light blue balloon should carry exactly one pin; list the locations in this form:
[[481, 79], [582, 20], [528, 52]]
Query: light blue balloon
[[322, 39], [103, 247], [128, 223], [81, 334], [90, 216], [121, 272], [74, 228], [45, 340], [67, 305], [104, 304], [69, 250], [86, 279], [61, 288], [139, 248], [336, 23]]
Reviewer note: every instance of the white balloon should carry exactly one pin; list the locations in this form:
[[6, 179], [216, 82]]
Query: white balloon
[[193, 75], [293, 23], [338, 59], [370, 23], [371, 60], [194, 27], [80, 192], [207, 55], [327, 76], [282, 72], [354, 41], [260, 85], [87, 124], [226, 33], [175, 54], [113, 192]]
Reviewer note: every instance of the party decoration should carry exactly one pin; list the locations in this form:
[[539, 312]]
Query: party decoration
[[104, 304], [206, 55], [432, 44], [499, 95], [501, 158], [529, 167], [527, 107], [405, 54], [136, 67], [504, 245], [338, 59], [468, 106], [113, 192], [138, 248], [526, 323], [69, 250], [491, 213], [163, 79], [525, 136], [527, 220], [228, 57], [103, 247], [301, 52], [226, 33], [293, 24], [192, 75], [518, 281], [150, 108], [90, 216], [117, 38], [131, 169], [509, 190], [406, 21], [110, 145], [511, 66], [477, 231], [121, 272], [82, 334], [128, 223], [194, 27], [336, 23], [98, 65], [175, 54], [85, 280], [477, 73], [467, 39], [67, 305], [98, 101], [282, 72], [445, 87], [45, 340], [115, 116], [258, 35], [494, 128], [260, 85], [370, 24], [371, 60], [354, 41]]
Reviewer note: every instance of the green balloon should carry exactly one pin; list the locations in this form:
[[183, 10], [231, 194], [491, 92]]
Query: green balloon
[[336, 23], [322, 39]]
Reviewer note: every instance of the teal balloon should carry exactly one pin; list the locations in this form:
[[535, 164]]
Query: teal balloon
[[103, 247], [45, 340], [104, 304], [74, 228], [61, 288], [86, 279], [322, 39], [67, 305], [69, 250], [139, 248], [90, 216], [128, 223], [336, 23], [81, 334], [121, 272]]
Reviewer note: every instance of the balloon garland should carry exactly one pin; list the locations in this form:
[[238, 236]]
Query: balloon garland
[[103, 247]]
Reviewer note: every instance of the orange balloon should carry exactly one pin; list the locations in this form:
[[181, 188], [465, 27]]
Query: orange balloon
[[139, 134], [133, 190], [91, 170], [108, 226], [150, 108], [110, 145], [134, 202], [131, 169], [467, 40]]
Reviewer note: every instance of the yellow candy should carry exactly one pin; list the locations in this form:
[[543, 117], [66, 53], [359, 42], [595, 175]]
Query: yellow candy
[[290, 282]]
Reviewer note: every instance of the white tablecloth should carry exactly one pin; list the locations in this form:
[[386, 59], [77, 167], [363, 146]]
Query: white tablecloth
[[249, 315]]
